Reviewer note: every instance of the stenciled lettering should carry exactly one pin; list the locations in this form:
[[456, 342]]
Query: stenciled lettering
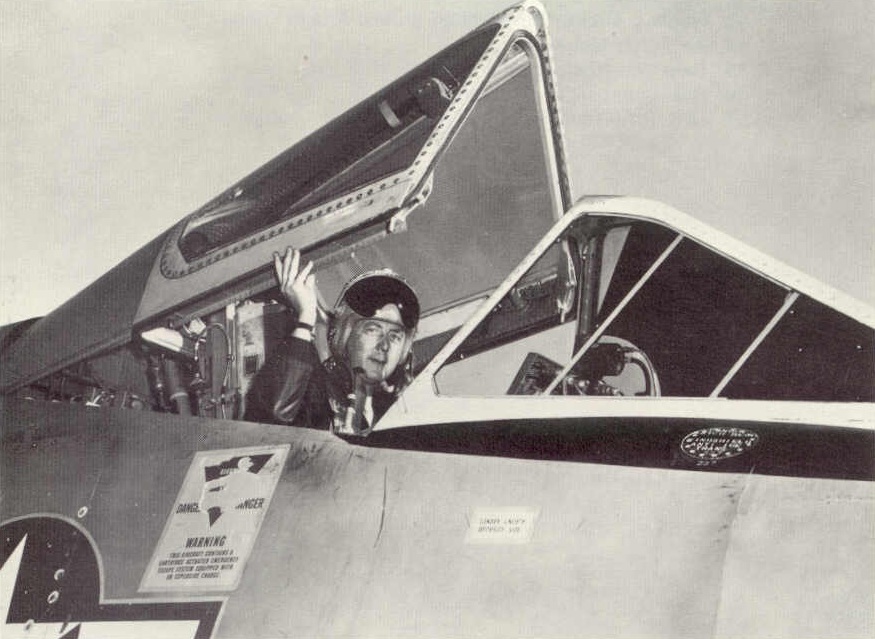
[[204, 542], [188, 507], [251, 504]]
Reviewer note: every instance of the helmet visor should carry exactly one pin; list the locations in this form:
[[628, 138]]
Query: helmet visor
[[372, 293]]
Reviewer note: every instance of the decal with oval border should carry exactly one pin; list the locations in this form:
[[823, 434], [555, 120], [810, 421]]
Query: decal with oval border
[[717, 443]]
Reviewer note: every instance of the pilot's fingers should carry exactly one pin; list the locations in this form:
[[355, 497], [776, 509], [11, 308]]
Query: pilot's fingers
[[293, 257], [310, 282], [305, 273], [278, 268]]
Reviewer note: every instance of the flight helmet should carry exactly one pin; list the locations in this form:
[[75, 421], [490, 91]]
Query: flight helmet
[[363, 296]]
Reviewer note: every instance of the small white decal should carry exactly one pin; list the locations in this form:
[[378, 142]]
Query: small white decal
[[501, 525]]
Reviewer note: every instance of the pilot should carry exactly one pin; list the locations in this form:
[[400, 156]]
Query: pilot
[[370, 334]]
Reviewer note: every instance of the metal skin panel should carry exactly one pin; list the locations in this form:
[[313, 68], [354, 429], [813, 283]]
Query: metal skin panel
[[98, 318], [11, 332], [800, 548], [365, 542]]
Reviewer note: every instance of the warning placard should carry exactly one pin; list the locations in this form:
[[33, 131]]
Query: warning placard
[[215, 520]]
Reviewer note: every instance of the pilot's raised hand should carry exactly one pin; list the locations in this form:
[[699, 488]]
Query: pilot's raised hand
[[298, 286]]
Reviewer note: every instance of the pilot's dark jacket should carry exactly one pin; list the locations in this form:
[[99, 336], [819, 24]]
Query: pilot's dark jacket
[[296, 389]]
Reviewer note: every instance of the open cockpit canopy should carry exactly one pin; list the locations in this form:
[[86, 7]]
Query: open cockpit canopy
[[458, 157], [448, 176]]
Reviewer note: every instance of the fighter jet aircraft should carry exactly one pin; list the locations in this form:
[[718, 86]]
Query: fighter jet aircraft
[[622, 422]]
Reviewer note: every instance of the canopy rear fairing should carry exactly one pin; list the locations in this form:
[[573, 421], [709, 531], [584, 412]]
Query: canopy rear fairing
[[95, 320]]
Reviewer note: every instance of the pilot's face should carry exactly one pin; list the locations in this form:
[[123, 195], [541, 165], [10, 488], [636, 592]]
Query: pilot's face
[[376, 344]]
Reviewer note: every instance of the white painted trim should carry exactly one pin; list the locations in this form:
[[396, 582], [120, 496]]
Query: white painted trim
[[417, 407]]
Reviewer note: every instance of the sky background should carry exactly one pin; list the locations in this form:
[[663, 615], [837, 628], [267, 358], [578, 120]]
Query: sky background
[[119, 118]]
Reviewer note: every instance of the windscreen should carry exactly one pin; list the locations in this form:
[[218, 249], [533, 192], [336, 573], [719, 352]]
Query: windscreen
[[673, 318]]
